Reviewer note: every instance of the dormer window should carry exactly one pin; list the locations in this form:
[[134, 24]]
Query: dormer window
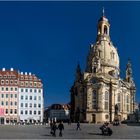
[[112, 55]]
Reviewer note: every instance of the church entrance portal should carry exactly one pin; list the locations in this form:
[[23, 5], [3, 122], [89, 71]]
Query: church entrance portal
[[93, 118]]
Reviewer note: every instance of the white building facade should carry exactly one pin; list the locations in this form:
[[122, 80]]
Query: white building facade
[[30, 99]]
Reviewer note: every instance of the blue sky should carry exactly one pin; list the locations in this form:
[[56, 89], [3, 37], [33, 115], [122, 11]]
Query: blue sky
[[49, 38]]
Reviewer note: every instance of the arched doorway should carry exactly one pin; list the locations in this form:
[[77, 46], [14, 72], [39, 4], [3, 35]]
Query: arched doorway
[[93, 118]]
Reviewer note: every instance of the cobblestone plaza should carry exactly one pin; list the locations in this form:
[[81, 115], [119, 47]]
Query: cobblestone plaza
[[89, 131]]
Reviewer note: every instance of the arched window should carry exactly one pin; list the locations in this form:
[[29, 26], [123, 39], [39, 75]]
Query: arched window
[[127, 98], [94, 99], [112, 55], [127, 103], [106, 100], [105, 29], [119, 101], [106, 95], [119, 98], [94, 94]]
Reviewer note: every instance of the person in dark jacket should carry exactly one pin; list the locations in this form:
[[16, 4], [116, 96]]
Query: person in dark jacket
[[61, 128], [78, 126], [54, 127], [51, 124]]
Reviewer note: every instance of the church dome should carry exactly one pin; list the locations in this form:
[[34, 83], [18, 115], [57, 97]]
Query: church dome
[[107, 53], [103, 51]]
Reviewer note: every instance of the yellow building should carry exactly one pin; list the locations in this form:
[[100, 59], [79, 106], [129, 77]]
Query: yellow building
[[98, 93]]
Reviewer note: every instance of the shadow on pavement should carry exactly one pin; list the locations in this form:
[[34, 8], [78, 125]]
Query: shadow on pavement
[[47, 135], [94, 133]]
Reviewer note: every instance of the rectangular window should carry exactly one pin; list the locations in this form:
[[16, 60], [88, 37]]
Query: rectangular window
[[35, 90], [26, 112], [2, 95], [30, 97], [106, 105], [21, 112], [6, 111], [26, 97], [22, 90], [2, 103], [21, 97], [11, 95], [2, 88], [30, 112], [15, 89], [11, 103], [30, 104], [26, 90], [26, 105], [6, 95], [15, 111], [15, 95], [39, 112], [34, 105], [39, 105], [127, 108], [6, 103], [15, 103], [11, 89], [11, 111], [21, 105], [39, 97], [34, 97], [6, 88], [34, 112], [30, 90], [94, 104]]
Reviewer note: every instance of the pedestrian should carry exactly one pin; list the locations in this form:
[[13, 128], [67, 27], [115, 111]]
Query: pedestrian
[[54, 127], [51, 126], [109, 130], [78, 126], [61, 128]]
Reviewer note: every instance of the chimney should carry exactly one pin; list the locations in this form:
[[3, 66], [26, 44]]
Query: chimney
[[3, 69], [21, 73], [25, 73], [30, 73]]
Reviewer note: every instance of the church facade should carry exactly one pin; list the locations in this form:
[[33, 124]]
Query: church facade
[[99, 94]]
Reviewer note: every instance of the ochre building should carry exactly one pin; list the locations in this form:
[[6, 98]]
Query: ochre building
[[99, 91]]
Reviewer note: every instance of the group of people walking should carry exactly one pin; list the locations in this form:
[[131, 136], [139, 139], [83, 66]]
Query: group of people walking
[[106, 130], [60, 127], [54, 127]]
